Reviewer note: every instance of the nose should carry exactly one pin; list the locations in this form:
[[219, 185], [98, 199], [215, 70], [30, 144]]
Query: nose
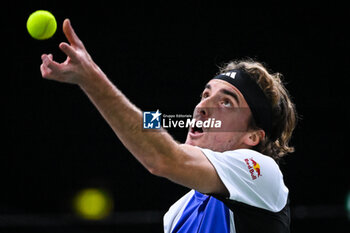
[[203, 112], [203, 108]]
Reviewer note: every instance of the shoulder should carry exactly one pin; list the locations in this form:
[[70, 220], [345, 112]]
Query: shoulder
[[250, 177], [244, 157], [256, 161], [248, 160]]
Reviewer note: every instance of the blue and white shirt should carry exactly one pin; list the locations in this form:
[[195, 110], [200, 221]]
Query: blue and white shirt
[[257, 198]]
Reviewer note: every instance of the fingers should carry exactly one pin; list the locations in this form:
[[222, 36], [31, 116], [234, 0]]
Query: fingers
[[69, 51], [45, 71], [75, 52], [71, 35], [48, 68], [47, 61]]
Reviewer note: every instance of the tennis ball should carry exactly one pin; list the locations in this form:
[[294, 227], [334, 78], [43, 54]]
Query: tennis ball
[[93, 204], [41, 25]]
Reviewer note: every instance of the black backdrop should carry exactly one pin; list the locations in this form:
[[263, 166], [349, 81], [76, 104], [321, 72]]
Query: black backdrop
[[161, 55]]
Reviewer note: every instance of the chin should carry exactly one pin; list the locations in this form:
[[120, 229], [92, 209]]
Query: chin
[[197, 143], [190, 142]]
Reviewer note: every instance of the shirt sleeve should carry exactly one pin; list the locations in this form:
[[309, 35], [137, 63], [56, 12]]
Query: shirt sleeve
[[250, 177]]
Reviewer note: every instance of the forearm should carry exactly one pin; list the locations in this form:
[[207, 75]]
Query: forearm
[[150, 148]]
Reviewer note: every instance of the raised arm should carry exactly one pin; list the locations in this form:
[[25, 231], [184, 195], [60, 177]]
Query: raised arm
[[156, 151]]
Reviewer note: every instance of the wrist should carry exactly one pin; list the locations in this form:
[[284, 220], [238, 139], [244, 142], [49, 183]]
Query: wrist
[[95, 80]]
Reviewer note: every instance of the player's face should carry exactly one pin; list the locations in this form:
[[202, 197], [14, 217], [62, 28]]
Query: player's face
[[224, 102]]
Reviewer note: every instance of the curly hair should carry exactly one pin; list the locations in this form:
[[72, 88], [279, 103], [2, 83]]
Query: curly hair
[[284, 115]]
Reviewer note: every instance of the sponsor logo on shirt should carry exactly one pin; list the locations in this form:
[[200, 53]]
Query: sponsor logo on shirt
[[253, 167]]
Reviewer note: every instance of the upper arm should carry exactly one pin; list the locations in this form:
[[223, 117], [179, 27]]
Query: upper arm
[[188, 166]]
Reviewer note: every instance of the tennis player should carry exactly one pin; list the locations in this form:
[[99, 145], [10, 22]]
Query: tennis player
[[234, 179]]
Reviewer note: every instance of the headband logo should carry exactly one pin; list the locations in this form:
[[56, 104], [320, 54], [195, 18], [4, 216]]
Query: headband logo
[[230, 74]]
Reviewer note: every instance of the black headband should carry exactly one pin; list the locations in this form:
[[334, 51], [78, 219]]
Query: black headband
[[253, 94]]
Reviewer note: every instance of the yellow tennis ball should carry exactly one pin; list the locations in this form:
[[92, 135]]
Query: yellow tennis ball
[[41, 25], [92, 203]]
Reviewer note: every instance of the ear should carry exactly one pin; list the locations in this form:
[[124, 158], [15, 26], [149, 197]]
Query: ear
[[253, 138]]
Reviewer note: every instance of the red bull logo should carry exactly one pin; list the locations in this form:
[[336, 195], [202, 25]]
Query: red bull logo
[[253, 167]]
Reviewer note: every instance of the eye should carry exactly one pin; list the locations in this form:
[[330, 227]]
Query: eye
[[204, 95], [227, 103]]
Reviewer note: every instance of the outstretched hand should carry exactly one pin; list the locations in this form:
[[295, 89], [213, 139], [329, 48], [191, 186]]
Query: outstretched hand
[[77, 68]]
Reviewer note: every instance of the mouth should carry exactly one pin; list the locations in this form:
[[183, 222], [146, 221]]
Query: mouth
[[196, 132]]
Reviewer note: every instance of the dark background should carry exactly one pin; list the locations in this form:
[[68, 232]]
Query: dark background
[[161, 55]]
